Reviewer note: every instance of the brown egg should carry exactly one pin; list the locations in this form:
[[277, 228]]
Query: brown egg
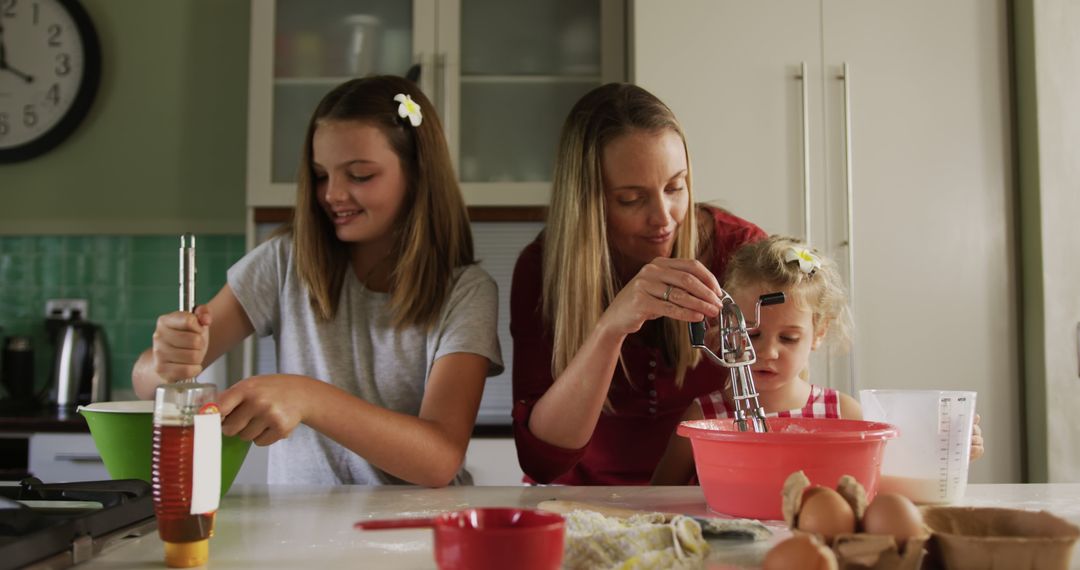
[[825, 512], [802, 552], [893, 514]]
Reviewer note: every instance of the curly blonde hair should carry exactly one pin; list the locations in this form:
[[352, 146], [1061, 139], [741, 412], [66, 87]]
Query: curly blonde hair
[[765, 264]]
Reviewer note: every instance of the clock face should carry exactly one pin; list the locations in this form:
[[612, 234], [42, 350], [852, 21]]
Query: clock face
[[49, 69]]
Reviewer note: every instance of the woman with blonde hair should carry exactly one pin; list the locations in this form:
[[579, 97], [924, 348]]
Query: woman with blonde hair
[[603, 367], [384, 325]]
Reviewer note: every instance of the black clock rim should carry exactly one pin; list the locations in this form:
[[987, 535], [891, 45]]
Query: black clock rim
[[84, 99]]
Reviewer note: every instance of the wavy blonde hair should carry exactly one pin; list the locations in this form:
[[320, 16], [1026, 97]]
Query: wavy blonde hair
[[579, 275], [763, 264], [433, 236]]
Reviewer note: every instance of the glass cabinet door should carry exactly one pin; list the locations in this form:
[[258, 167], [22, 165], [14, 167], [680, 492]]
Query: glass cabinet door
[[317, 46], [522, 65]]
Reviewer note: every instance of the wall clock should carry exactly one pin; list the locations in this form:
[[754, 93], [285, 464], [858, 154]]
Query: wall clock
[[50, 67]]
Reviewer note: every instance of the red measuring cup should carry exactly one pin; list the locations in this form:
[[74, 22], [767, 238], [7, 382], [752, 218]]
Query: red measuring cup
[[489, 538]]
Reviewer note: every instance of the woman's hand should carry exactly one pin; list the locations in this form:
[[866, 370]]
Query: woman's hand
[[681, 289], [180, 343], [976, 441], [264, 409]]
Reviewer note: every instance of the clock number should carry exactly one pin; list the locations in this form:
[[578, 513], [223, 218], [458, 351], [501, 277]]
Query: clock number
[[54, 94], [54, 35], [63, 66], [29, 116], [8, 8], [4, 128]]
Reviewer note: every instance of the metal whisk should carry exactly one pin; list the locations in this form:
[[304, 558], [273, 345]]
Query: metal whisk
[[737, 354]]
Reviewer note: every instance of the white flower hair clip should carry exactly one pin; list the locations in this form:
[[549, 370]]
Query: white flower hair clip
[[409, 109], [808, 262]]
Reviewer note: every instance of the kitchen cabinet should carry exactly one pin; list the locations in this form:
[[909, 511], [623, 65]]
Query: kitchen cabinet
[[64, 457], [492, 461], [503, 75], [880, 130]]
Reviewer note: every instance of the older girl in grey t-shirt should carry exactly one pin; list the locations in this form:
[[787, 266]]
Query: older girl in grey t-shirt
[[383, 323]]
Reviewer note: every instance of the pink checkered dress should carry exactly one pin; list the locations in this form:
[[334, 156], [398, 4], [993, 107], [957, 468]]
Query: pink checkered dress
[[823, 403]]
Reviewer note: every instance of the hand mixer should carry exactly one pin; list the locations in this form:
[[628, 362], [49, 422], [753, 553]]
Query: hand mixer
[[737, 354]]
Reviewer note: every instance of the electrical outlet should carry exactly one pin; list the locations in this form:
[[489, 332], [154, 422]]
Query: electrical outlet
[[63, 308]]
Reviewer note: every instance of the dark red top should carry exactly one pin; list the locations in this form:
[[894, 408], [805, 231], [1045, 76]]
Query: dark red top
[[629, 441]]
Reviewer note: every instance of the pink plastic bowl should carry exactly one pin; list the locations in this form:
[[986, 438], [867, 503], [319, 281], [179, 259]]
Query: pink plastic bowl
[[742, 473]]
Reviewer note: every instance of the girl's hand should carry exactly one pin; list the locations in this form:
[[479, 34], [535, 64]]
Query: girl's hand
[[180, 343], [264, 409], [976, 441], [681, 289]]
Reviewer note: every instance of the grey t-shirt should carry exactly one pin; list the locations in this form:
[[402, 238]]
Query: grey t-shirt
[[358, 351]]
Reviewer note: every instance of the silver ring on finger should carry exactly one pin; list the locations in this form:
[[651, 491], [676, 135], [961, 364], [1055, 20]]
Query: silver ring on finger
[[667, 293]]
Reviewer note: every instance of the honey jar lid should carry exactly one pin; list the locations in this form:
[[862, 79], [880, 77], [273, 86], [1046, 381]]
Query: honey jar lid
[[187, 554]]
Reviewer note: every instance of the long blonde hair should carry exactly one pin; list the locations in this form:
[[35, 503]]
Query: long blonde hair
[[580, 279], [433, 236]]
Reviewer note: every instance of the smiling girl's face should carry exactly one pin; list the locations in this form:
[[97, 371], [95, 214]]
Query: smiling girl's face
[[358, 181], [644, 176]]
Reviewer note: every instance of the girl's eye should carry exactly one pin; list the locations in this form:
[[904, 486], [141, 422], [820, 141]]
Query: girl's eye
[[675, 189], [789, 339], [358, 178], [754, 335]]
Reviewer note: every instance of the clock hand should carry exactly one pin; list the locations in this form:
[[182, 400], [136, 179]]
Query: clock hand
[[4, 64], [25, 77]]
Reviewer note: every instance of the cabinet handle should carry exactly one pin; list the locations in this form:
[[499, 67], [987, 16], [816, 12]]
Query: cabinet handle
[[444, 92], [849, 218], [1078, 349], [423, 73], [78, 458], [805, 152]]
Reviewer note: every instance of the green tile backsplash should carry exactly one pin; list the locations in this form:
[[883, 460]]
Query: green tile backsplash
[[127, 280]]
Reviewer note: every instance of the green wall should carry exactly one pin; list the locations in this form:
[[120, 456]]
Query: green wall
[[163, 147], [128, 281]]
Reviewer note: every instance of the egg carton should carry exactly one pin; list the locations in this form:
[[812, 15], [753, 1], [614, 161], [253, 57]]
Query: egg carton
[[955, 538], [985, 537], [878, 552]]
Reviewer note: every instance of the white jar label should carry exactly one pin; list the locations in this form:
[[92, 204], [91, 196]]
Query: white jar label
[[206, 461]]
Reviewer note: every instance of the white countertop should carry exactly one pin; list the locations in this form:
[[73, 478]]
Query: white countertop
[[261, 526]]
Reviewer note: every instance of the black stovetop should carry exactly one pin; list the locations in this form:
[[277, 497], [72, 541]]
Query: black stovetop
[[61, 524]]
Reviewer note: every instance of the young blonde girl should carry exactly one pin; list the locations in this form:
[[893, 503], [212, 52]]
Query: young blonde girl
[[815, 311], [383, 323]]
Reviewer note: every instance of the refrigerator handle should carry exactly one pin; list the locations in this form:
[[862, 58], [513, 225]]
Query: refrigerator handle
[[805, 152], [849, 217]]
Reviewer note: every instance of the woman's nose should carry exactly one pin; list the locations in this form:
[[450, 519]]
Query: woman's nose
[[660, 214]]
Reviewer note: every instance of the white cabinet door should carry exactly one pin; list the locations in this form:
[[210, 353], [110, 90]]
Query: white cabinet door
[[935, 288], [64, 457], [932, 233], [493, 461], [730, 70]]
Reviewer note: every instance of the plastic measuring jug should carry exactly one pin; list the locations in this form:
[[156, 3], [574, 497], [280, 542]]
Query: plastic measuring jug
[[928, 462]]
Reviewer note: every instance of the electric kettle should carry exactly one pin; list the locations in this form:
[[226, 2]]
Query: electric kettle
[[80, 372]]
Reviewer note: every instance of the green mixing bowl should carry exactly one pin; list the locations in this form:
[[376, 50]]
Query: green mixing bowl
[[124, 433]]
